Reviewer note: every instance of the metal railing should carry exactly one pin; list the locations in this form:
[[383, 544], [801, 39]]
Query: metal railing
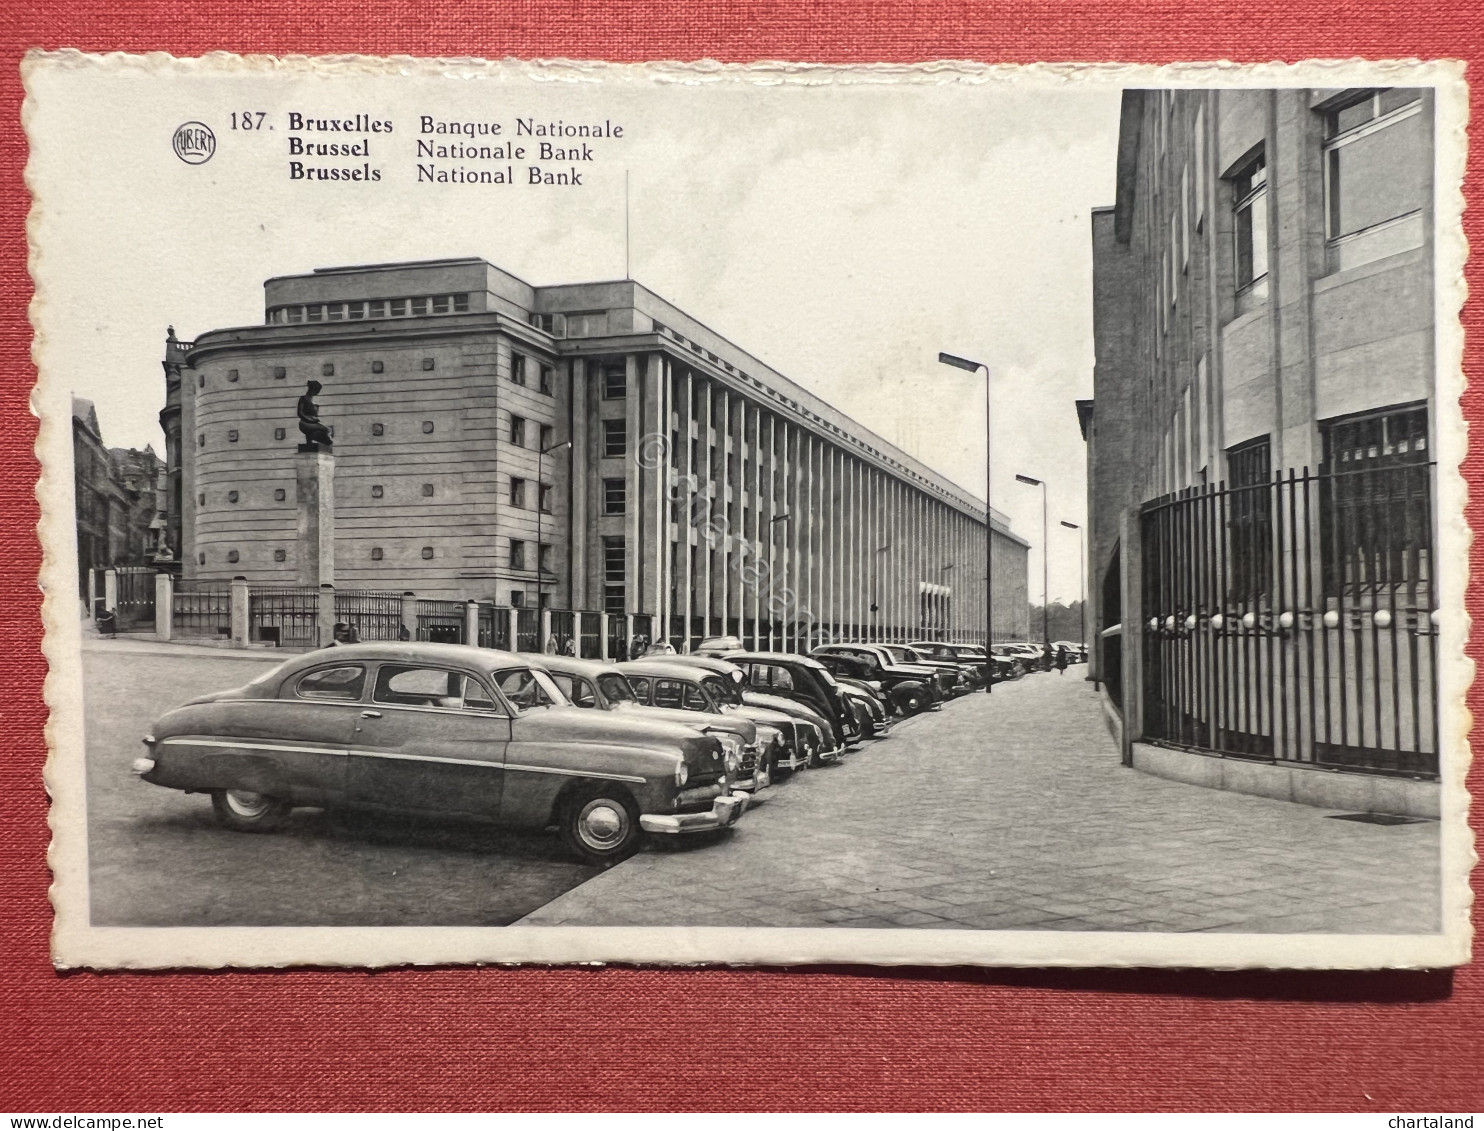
[[441, 621], [283, 614], [136, 597], [494, 627], [1294, 620], [528, 630], [375, 615], [590, 635], [202, 609]]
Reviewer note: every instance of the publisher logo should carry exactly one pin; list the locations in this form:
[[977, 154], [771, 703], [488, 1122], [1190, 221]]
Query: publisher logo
[[194, 143]]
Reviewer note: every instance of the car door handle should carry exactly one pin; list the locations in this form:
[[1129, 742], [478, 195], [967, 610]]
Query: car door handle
[[370, 714]]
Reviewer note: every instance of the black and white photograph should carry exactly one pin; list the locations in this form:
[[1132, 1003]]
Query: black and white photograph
[[553, 512]]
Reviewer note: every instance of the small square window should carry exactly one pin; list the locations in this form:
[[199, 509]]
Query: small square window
[[427, 490], [231, 435], [280, 434], [440, 304], [280, 372], [279, 495], [376, 308], [517, 598], [378, 429], [377, 490], [378, 367], [356, 310], [280, 555], [461, 304], [427, 426], [419, 306], [233, 556], [232, 496], [201, 558], [232, 375], [399, 307], [201, 499], [427, 552], [201, 381], [376, 553], [327, 369], [427, 363]]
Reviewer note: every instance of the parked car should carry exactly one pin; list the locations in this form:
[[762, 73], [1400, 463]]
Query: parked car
[[442, 730], [1010, 661], [1076, 653], [805, 680], [952, 679], [1032, 656], [812, 732], [718, 646], [969, 660], [912, 688], [866, 697], [595, 684]]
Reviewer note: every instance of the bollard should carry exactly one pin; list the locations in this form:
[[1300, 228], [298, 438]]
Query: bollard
[[471, 621], [239, 612], [164, 606]]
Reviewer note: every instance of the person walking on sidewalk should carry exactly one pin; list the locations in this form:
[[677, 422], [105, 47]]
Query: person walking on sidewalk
[[1062, 659]]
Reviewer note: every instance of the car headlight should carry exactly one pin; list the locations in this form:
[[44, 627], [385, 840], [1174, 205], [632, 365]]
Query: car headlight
[[682, 773], [732, 746]]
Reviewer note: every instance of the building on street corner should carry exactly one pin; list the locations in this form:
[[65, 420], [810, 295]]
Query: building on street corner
[[578, 447], [1260, 441]]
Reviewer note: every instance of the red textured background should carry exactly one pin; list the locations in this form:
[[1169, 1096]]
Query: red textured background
[[838, 1038]]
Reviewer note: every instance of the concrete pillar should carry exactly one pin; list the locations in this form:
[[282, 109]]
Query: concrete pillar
[[543, 633], [603, 637], [240, 622], [92, 589], [326, 622], [409, 615], [512, 625], [164, 606], [314, 472], [111, 590], [1131, 559], [628, 631], [471, 621]]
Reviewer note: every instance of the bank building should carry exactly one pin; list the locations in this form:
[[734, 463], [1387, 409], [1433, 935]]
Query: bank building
[[582, 449]]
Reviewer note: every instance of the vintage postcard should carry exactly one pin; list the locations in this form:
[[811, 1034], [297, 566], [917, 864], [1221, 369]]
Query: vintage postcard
[[568, 512]]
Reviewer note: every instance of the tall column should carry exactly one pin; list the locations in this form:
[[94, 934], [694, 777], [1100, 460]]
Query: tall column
[[650, 503], [164, 605], [471, 621], [582, 538], [314, 474], [633, 551], [325, 620], [688, 480], [241, 621]]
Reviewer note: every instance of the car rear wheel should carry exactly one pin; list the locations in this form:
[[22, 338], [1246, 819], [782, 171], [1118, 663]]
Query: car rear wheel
[[600, 825], [248, 812], [911, 701]]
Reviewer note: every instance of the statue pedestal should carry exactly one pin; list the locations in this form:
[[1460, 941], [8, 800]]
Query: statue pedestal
[[314, 470]]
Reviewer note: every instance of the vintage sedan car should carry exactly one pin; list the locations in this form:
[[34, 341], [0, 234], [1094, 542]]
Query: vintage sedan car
[[808, 734], [591, 683], [970, 661], [806, 681], [951, 677], [865, 695], [911, 688], [441, 730]]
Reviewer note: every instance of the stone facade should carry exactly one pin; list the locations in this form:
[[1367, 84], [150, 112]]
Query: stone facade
[[586, 446]]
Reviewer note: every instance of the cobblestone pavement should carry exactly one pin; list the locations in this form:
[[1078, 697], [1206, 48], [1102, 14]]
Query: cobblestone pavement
[[1012, 811]]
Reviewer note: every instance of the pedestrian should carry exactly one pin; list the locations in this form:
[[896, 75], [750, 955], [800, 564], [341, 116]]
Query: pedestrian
[[569, 646], [1063, 658]]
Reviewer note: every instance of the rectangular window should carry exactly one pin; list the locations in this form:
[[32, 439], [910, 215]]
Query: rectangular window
[[517, 492], [1376, 162], [1250, 208], [543, 557], [543, 498], [613, 575], [418, 306], [376, 308], [461, 304], [335, 312], [399, 307], [615, 496], [517, 555], [1376, 506], [1249, 511], [355, 310], [615, 438], [1175, 257], [546, 378], [314, 312], [296, 314], [440, 304], [518, 368], [518, 430], [547, 435], [615, 382]]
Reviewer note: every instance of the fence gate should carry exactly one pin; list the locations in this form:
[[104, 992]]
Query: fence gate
[[284, 614], [494, 627], [202, 609], [136, 598], [441, 622], [527, 629], [1293, 619], [589, 637], [374, 615]]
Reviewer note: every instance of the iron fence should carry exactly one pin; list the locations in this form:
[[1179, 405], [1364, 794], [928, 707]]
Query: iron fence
[[494, 626], [441, 621], [201, 609], [527, 630], [136, 597], [1295, 619], [590, 635], [284, 614], [373, 614], [563, 631]]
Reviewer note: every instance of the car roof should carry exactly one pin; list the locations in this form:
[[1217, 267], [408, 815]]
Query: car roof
[[660, 667], [572, 665], [775, 658], [412, 652], [711, 663]]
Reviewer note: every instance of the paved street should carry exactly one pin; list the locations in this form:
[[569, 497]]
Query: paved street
[[1003, 811], [157, 858], [1012, 811]]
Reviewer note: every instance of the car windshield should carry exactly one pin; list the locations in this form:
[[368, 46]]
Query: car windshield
[[527, 688], [615, 688], [722, 689]]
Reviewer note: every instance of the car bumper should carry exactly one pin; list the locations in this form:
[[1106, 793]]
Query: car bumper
[[724, 811]]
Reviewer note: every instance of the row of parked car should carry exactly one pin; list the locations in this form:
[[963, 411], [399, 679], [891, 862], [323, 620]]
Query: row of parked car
[[662, 745]]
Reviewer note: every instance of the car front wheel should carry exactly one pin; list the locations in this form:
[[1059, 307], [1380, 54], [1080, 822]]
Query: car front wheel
[[600, 825], [248, 812]]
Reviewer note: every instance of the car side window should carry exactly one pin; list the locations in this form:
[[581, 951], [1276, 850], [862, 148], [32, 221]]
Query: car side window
[[400, 685], [668, 693], [757, 675], [582, 694], [781, 679], [695, 699], [521, 687], [640, 684], [477, 696], [345, 683]]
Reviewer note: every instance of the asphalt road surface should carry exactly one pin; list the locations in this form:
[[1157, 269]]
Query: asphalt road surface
[[157, 857]]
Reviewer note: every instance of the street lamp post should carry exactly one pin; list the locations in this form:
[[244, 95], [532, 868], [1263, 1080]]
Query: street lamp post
[[973, 367], [1081, 575], [541, 454], [1045, 566]]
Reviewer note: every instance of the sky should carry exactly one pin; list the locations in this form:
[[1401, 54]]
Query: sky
[[844, 232]]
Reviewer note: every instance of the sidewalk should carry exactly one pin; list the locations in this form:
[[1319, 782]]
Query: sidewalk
[[145, 644], [1012, 811]]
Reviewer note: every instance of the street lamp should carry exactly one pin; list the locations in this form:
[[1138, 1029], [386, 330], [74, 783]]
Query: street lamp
[[973, 367], [1045, 566], [777, 518], [1081, 575], [541, 454]]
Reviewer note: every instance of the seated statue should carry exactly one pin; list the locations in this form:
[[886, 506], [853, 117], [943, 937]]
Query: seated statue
[[316, 432]]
